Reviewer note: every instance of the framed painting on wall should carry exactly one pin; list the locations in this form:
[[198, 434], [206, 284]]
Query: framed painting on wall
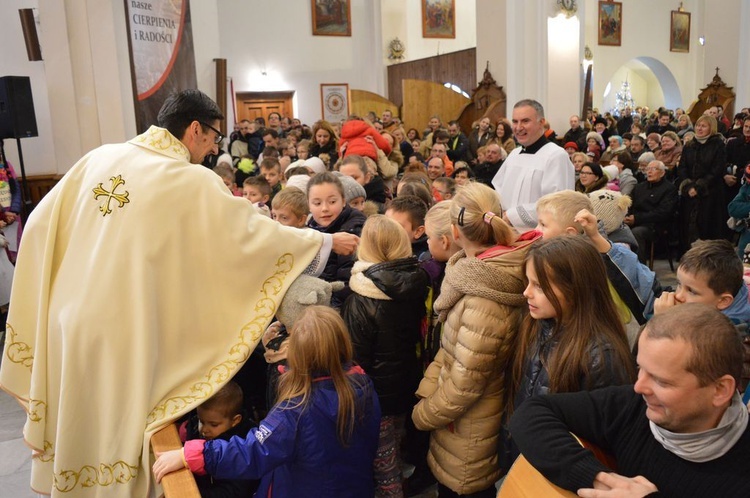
[[610, 23], [679, 32], [438, 18], [331, 17], [334, 101]]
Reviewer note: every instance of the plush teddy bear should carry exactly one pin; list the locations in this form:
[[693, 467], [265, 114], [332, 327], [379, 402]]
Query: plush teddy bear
[[305, 291]]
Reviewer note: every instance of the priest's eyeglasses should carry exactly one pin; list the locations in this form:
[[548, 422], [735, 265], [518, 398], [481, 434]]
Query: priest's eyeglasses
[[219, 136]]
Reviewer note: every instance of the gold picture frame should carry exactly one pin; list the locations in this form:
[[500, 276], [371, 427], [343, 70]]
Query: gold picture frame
[[331, 17], [610, 23], [679, 32], [438, 18]]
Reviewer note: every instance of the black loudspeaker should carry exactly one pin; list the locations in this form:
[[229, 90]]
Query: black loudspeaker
[[17, 117]]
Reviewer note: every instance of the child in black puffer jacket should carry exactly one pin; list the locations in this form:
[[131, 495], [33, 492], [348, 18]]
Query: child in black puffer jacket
[[384, 315]]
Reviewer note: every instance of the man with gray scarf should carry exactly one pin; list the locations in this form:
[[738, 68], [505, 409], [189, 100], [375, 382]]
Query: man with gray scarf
[[682, 430]]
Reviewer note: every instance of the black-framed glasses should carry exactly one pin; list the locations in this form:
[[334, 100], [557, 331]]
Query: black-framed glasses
[[219, 135]]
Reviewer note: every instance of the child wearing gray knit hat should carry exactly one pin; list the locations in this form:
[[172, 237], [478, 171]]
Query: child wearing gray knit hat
[[354, 193]]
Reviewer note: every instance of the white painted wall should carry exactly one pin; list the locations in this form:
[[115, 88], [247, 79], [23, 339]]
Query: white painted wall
[[743, 66], [491, 41], [259, 36], [564, 67], [403, 20], [692, 71], [722, 31]]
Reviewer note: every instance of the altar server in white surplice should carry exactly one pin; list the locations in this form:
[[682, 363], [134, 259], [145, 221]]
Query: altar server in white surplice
[[142, 285], [539, 167]]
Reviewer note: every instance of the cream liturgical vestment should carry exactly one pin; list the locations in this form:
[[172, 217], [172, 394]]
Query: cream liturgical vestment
[[142, 286]]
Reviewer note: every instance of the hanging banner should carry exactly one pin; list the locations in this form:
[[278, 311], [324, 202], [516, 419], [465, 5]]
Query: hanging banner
[[162, 59]]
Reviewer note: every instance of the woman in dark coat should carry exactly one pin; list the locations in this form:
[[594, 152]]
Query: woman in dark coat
[[700, 182]]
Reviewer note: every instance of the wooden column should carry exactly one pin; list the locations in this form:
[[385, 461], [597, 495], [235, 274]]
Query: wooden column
[[221, 90]]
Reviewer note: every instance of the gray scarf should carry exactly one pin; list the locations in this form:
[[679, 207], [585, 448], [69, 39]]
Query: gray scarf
[[707, 445]]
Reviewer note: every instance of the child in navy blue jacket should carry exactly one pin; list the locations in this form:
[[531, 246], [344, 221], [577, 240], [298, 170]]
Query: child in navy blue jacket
[[320, 438]]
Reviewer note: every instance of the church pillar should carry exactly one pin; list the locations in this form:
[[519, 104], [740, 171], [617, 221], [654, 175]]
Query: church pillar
[[533, 53], [88, 74]]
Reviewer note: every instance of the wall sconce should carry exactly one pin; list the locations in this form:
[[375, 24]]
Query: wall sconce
[[588, 58], [568, 7], [396, 50]]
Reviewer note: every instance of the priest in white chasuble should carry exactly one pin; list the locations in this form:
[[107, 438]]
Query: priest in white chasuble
[[142, 286]]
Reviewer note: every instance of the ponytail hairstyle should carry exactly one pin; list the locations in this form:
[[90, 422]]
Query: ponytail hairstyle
[[587, 317], [383, 240], [319, 343], [476, 212]]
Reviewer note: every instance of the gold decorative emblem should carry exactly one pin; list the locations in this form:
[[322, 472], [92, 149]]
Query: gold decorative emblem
[[121, 199], [396, 50], [16, 351], [89, 476], [161, 140]]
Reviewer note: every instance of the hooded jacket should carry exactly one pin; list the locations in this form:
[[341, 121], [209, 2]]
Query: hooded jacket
[[384, 314], [463, 388], [353, 134]]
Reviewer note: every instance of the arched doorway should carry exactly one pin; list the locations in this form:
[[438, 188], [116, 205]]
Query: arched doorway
[[651, 83]]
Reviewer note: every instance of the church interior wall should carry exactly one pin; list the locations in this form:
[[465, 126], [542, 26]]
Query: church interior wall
[[646, 34], [83, 96], [403, 20]]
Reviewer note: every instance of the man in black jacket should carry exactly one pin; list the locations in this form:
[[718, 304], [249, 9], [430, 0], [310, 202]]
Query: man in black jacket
[[654, 206], [662, 125], [681, 430], [625, 121], [576, 133], [458, 144]]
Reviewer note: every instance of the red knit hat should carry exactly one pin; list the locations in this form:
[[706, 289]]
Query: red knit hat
[[571, 145]]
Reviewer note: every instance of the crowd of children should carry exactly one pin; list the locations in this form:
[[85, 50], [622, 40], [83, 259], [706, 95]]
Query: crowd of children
[[444, 323]]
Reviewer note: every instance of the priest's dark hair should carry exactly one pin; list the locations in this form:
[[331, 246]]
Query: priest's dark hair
[[181, 109]]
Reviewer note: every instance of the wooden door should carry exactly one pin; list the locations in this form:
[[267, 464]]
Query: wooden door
[[251, 105]]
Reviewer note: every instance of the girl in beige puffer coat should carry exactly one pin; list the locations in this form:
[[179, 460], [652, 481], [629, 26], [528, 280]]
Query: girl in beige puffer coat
[[480, 304]]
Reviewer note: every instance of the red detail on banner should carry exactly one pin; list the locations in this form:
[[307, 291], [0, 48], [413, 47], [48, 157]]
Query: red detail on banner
[[168, 69]]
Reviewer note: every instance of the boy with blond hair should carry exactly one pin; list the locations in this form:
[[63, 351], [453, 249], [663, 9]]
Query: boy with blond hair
[[290, 208], [569, 212]]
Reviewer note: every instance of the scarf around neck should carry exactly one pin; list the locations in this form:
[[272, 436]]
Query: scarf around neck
[[475, 277], [701, 140], [707, 445]]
